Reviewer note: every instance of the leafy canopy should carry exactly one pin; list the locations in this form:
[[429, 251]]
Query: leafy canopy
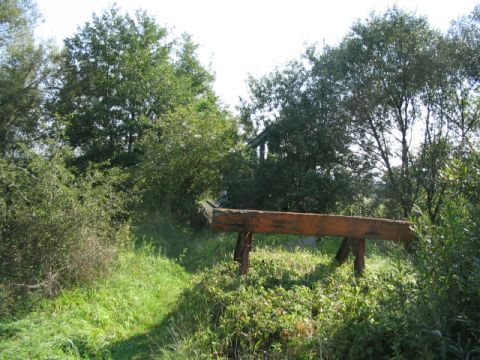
[[120, 74]]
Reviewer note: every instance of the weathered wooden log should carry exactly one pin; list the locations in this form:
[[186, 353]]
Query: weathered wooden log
[[353, 229], [231, 220]]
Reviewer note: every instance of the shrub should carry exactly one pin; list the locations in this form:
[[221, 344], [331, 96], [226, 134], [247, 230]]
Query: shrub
[[55, 228], [449, 266]]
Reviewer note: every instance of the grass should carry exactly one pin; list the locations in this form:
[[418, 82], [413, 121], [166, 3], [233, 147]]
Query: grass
[[296, 304], [98, 321], [178, 295]]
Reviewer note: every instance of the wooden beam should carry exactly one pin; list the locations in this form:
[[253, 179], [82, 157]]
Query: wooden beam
[[343, 251], [232, 220], [237, 254], [359, 262], [245, 261]]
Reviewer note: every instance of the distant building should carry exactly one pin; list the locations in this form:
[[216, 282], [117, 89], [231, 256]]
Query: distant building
[[262, 142]]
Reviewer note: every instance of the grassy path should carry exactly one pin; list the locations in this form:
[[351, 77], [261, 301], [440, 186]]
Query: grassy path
[[108, 321], [183, 300]]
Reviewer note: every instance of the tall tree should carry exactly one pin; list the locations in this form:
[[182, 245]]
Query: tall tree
[[309, 165], [457, 98], [389, 63], [24, 67], [119, 74], [455, 105]]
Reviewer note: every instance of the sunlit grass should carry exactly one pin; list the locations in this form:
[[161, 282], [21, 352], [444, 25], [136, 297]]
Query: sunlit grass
[[92, 321], [179, 295]]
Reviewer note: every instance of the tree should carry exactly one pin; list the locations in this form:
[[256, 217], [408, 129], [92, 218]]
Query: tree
[[456, 107], [457, 98], [310, 164], [119, 75], [389, 66], [185, 157], [24, 68]]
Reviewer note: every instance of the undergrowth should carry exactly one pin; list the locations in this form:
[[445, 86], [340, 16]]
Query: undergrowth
[[179, 296], [298, 305]]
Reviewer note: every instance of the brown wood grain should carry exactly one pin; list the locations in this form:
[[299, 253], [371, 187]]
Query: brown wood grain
[[245, 260], [343, 251], [231, 220], [359, 262], [237, 254]]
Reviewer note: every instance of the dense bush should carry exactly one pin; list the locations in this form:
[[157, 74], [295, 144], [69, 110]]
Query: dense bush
[[449, 265], [55, 228]]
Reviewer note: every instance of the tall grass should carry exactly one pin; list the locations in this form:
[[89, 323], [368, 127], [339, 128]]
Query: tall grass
[[179, 296], [298, 304], [120, 317]]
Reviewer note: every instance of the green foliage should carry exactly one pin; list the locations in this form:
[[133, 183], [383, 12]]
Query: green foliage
[[427, 169], [24, 68], [16, 18], [296, 305], [449, 265], [339, 127], [55, 228], [309, 165], [119, 75], [466, 33], [186, 153], [375, 117], [195, 78], [293, 305], [459, 93], [389, 63]]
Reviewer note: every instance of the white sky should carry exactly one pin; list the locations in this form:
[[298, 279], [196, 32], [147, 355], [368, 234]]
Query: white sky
[[238, 38]]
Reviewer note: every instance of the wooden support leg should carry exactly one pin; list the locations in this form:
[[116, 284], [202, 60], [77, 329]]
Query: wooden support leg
[[359, 263], [343, 251], [245, 261], [237, 255]]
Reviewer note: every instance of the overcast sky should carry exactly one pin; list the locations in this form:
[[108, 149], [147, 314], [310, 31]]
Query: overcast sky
[[238, 38]]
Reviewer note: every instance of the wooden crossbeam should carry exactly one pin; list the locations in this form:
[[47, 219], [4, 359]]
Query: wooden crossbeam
[[353, 229], [232, 220]]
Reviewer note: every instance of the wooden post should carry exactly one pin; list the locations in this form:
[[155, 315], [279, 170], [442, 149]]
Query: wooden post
[[237, 255], [344, 250], [245, 261], [359, 263]]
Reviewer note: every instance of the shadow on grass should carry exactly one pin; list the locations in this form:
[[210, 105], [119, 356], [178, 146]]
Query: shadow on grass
[[193, 250], [147, 345], [199, 250], [161, 338]]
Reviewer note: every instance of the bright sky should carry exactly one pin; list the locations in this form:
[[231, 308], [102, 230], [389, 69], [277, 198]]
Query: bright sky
[[238, 38]]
